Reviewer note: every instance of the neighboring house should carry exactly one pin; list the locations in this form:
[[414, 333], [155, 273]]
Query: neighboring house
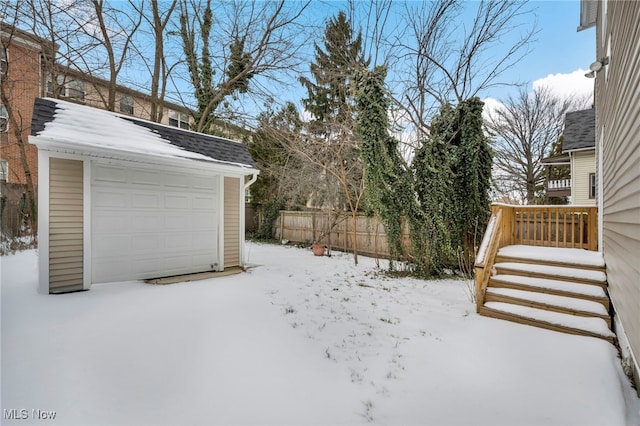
[[25, 62], [617, 105], [21, 58], [578, 155], [126, 199]]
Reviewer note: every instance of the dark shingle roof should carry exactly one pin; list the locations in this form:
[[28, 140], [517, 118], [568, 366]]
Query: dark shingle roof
[[211, 146], [579, 130], [215, 148], [43, 110]]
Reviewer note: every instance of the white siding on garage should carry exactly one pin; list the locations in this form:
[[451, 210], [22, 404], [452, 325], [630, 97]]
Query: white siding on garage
[[584, 163], [149, 223]]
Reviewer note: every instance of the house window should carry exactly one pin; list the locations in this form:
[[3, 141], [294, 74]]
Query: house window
[[3, 61], [592, 185], [126, 104], [75, 90], [178, 119], [59, 85], [4, 171], [4, 119]]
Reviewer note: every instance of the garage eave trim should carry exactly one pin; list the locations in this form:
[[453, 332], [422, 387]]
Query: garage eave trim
[[67, 147]]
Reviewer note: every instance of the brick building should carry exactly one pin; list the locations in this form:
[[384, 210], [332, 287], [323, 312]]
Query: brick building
[[21, 74], [26, 74]]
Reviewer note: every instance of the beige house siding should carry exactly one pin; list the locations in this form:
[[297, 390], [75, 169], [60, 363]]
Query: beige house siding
[[231, 222], [65, 223], [618, 114], [584, 163]]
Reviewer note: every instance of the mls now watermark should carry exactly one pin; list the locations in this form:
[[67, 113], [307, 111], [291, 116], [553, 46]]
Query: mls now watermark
[[24, 414]]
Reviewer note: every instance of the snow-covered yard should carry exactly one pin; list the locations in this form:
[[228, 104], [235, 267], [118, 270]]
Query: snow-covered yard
[[297, 340]]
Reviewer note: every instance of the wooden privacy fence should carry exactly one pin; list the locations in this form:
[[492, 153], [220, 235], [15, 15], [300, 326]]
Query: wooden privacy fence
[[567, 226], [336, 230]]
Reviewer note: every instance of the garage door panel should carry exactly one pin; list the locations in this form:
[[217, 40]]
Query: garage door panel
[[110, 199], [203, 182], [204, 240], [174, 221], [176, 201], [146, 200], [146, 243], [200, 222], [179, 241], [105, 222], [203, 203], [110, 174], [107, 245], [147, 266], [149, 223], [174, 180], [114, 269], [146, 177]]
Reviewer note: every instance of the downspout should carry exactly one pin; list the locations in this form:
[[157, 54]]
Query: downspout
[[254, 176], [243, 254]]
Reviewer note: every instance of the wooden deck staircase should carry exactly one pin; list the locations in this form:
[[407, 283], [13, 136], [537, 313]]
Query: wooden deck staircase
[[547, 283]]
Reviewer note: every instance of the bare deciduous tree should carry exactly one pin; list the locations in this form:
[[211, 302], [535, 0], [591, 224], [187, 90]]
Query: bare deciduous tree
[[114, 33], [452, 60], [157, 16], [228, 47], [525, 128]]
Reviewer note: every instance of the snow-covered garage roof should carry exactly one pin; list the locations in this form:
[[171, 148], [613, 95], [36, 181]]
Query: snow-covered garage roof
[[87, 127]]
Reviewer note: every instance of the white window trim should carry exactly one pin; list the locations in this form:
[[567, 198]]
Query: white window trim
[[4, 171], [180, 117], [6, 117], [4, 59], [128, 101]]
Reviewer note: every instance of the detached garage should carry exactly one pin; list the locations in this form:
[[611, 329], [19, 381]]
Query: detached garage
[[123, 199]]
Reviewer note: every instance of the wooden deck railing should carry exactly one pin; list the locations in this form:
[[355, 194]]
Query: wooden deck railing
[[567, 226], [486, 255]]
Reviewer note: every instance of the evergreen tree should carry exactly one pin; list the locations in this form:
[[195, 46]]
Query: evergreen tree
[[330, 97], [332, 143]]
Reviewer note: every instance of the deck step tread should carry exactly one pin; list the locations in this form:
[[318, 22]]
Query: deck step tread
[[564, 302], [558, 271], [590, 325], [569, 256], [545, 283]]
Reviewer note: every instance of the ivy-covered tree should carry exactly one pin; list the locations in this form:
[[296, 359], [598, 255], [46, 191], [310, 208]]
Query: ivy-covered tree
[[387, 184], [471, 167], [433, 187], [227, 44], [452, 172]]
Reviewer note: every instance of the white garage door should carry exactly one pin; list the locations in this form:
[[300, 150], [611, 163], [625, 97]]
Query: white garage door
[[151, 223]]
